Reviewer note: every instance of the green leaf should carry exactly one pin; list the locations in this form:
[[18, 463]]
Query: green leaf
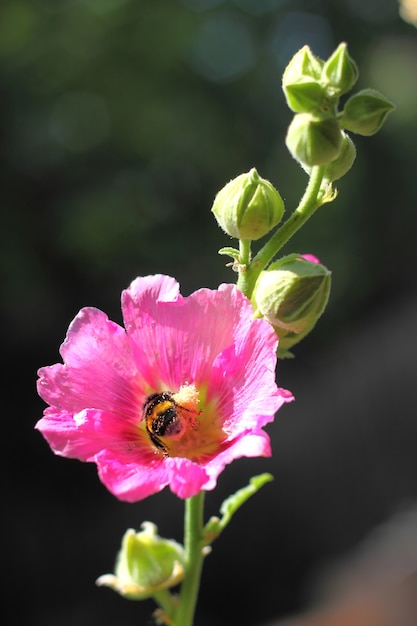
[[229, 506], [233, 252]]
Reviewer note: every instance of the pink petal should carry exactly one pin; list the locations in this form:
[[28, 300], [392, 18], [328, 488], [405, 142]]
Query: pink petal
[[67, 437], [99, 371], [247, 445], [176, 341], [311, 258], [187, 478], [248, 396], [135, 479]]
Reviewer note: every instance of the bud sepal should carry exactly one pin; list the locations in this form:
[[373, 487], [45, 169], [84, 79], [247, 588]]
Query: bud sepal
[[307, 97]]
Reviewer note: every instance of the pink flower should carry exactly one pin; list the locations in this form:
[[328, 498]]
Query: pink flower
[[213, 365]]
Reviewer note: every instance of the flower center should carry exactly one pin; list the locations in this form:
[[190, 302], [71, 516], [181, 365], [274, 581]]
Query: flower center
[[176, 426]]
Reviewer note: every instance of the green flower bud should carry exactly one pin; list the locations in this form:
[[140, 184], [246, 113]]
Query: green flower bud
[[313, 141], [248, 207], [365, 112], [340, 72], [145, 564], [300, 82], [292, 294], [303, 66], [342, 163]]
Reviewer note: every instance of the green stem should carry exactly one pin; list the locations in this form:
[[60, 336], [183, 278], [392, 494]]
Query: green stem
[[193, 544], [310, 201], [244, 260], [166, 601]]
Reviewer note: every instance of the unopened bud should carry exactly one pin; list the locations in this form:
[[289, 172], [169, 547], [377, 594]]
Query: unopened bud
[[340, 72], [248, 207], [300, 82], [365, 112], [292, 294], [304, 65], [146, 563], [313, 141]]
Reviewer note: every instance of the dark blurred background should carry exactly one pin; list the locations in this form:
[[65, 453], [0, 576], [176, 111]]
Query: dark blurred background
[[119, 122]]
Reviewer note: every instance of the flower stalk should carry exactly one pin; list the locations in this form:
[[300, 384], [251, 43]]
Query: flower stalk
[[194, 543]]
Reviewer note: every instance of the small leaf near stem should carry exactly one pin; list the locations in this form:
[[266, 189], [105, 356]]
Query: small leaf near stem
[[215, 526], [228, 251], [194, 554], [313, 198]]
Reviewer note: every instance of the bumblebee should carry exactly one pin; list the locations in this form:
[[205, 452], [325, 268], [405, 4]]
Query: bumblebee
[[163, 418]]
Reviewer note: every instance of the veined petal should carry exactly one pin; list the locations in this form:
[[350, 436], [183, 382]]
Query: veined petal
[[67, 437], [176, 341], [98, 371], [248, 397], [250, 444], [187, 478], [85, 434], [135, 479]]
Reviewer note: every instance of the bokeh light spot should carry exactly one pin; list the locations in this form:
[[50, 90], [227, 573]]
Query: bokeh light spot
[[296, 29], [223, 50]]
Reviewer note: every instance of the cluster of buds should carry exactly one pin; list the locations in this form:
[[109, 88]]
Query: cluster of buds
[[292, 292], [312, 88]]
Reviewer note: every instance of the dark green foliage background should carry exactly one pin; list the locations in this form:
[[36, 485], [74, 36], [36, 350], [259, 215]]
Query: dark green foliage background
[[119, 122]]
